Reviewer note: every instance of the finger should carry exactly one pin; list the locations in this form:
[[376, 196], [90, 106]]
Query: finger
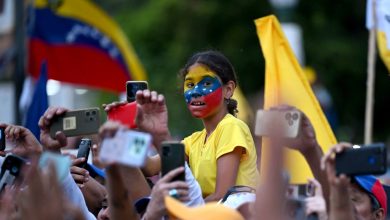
[[146, 96], [78, 161], [95, 151], [171, 174], [79, 179], [161, 99], [176, 185], [139, 97], [153, 96], [317, 185], [61, 138]]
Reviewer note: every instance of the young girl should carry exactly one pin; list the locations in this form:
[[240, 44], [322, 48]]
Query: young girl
[[223, 153]]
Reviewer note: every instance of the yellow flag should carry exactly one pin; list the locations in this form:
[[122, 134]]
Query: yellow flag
[[285, 83], [384, 51], [245, 112]]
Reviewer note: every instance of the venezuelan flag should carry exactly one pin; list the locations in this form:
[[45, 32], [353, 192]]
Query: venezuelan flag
[[82, 45]]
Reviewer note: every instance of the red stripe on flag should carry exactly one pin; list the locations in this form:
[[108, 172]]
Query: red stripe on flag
[[89, 66]]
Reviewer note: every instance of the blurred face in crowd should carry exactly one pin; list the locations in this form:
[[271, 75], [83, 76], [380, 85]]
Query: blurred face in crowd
[[202, 91], [363, 205], [104, 213]]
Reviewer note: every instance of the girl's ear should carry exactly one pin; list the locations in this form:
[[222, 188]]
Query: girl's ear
[[229, 89]]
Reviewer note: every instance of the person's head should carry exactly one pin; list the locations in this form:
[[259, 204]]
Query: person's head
[[104, 213], [368, 197], [209, 83]]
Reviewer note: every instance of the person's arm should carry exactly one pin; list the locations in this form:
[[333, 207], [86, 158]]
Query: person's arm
[[26, 144], [152, 166], [227, 170], [119, 199], [307, 144], [340, 206]]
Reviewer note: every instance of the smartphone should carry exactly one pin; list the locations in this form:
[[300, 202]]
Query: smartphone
[[84, 149], [368, 159], [124, 114], [290, 122], [77, 122], [172, 156], [127, 147], [132, 87], [2, 139], [10, 170]]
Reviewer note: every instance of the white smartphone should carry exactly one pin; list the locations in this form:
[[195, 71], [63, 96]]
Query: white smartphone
[[289, 120], [126, 147]]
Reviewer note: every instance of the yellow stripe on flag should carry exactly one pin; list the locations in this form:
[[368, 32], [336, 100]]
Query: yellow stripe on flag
[[285, 83], [384, 52]]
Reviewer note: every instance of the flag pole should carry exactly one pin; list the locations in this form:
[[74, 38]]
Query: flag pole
[[370, 78]]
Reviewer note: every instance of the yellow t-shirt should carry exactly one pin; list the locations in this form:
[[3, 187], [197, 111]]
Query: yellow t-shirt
[[229, 134]]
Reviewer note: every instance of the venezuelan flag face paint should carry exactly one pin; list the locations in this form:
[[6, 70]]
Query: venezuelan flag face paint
[[202, 91]]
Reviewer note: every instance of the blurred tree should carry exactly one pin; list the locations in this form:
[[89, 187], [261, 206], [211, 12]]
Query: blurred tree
[[166, 32]]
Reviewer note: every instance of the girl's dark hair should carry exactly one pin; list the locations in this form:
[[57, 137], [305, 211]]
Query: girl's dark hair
[[218, 63]]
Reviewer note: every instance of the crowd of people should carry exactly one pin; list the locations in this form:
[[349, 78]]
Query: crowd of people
[[222, 179]]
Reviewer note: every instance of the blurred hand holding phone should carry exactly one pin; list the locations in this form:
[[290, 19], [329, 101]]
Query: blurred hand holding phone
[[362, 160], [286, 122], [126, 147], [10, 170]]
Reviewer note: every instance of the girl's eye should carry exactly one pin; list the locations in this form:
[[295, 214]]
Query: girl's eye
[[207, 84], [189, 85]]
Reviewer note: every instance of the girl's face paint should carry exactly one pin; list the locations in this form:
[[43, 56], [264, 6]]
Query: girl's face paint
[[202, 91]]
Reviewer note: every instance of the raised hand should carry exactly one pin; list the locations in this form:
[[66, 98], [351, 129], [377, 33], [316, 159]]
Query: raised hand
[[45, 123], [25, 142], [152, 115]]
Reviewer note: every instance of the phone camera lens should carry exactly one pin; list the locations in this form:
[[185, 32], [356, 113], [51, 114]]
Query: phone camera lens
[[165, 151], [371, 160], [87, 113], [93, 112], [288, 116], [14, 169]]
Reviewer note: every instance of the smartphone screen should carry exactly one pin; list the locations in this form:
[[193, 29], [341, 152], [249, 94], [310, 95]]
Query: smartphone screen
[[132, 87], [172, 156], [2, 138]]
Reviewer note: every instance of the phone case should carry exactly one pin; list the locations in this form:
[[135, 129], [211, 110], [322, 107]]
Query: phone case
[[132, 87], [10, 170], [2, 139], [290, 120], [369, 159], [124, 114], [84, 148], [78, 122], [172, 156]]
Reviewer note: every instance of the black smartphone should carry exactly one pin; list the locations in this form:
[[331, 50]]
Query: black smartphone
[[172, 156], [132, 87], [10, 170], [84, 148], [77, 122], [368, 159], [2, 138]]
